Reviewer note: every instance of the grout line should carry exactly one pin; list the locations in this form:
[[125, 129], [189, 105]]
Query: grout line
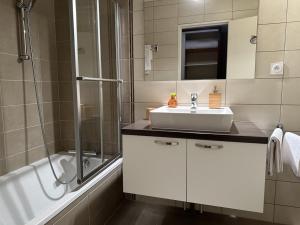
[[27, 150], [284, 60]]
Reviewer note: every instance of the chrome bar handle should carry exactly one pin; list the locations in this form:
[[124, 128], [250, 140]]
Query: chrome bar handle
[[167, 143], [209, 147], [83, 78]]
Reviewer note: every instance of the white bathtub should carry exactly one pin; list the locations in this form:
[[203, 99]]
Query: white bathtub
[[31, 195]]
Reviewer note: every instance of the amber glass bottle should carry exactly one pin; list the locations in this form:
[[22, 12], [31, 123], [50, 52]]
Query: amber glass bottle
[[172, 103]]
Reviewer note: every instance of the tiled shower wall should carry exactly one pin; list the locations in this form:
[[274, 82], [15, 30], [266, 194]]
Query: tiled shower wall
[[20, 134], [66, 114], [266, 100]]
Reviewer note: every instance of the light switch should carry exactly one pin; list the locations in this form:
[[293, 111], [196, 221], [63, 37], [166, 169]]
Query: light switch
[[276, 68]]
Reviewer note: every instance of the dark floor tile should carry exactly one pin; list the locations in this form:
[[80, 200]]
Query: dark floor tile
[[137, 213]]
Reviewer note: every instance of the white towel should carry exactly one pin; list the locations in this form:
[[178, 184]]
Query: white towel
[[148, 58], [275, 154], [291, 149]]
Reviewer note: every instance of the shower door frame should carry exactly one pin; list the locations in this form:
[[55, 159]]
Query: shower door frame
[[77, 78]]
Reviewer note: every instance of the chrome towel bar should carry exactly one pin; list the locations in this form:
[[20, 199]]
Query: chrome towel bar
[[82, 78]]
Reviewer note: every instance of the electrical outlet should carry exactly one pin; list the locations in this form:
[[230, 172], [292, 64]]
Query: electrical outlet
[[276, 68]]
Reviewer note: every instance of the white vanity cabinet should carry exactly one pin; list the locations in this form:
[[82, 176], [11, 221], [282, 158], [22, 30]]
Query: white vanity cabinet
[[226, 174], [155, 166]]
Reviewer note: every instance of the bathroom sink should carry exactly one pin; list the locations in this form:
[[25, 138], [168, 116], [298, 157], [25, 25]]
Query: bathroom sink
[[201, 119]]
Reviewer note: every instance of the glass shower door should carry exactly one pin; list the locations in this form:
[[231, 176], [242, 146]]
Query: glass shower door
[[96, 85]]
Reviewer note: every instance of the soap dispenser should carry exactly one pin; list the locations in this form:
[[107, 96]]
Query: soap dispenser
[[215, 99], [172, 103]]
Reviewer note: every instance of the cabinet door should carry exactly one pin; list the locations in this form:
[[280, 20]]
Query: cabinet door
[[226, 174], [154, 166]]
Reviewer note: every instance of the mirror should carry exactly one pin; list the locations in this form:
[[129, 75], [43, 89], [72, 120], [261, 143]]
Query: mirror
[[200, 39]]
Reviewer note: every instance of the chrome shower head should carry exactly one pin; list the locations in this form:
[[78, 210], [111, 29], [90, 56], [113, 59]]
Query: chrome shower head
[[25, 4]]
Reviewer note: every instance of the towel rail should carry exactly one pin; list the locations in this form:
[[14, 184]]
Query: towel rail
[[280, 126]]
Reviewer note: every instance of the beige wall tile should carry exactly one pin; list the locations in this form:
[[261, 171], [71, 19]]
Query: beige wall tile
[[21, 116], [258, 91], [190, 8], [51, 111], [164, 2], [9, 68], [290, 117], [138, 22], [165, 75], [292, 66], [291, 91], [215, 6], [149, 13], [166, 11], [148, 27], [2, 167], [138, 46], [165, 64], [15, 162], [66, 111], [15, 142], [148, 3], [50, 91], [17, 92], [271, 37], [163, 25], [287, 215], [36, 154], [293, 10], [2, 147], [149, 76], [149, 37], [140, 109], [263, 63], [292, 36], [137, 5], [191, 19], [272, 11], [164, 38], [65, 91], [166, 51], [245, 13], [264, 117], [154, 91], [139, 69], [245, 4], [218, 16], [288, 194], [202, 88], [8, 37]]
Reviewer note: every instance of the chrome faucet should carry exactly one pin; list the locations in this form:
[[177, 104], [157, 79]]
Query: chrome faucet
[[194, 98]]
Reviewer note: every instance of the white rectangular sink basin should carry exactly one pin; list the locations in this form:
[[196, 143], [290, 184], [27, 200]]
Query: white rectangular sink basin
[[202, 119]]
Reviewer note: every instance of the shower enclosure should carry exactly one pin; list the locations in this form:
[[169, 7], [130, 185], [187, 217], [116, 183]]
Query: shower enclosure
[[97, 86]]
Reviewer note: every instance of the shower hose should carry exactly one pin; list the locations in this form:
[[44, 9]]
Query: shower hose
[[27, 18]]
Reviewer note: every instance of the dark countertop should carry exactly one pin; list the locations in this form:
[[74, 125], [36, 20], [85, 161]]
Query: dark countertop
[[240, 132]]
